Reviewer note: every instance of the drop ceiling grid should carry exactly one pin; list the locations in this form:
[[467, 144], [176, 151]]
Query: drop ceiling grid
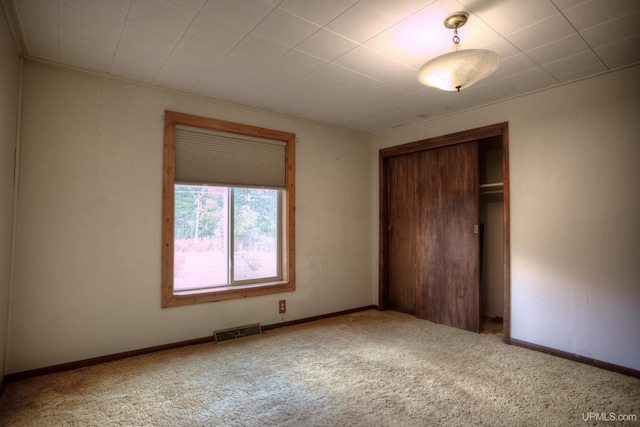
[[347, 62]]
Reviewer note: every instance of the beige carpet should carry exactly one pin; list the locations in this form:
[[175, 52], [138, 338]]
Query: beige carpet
[[365, 369]]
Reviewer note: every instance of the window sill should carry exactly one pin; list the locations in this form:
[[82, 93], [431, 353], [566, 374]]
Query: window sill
[[177, 299]]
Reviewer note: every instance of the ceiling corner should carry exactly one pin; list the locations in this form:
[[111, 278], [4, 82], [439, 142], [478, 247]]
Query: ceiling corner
[[14, 25]]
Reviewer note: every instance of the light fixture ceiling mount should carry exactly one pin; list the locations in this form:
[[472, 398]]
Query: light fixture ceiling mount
[[461, 68], [456, 20]]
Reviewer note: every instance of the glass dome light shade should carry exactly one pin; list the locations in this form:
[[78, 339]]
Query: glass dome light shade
[[459, 69]]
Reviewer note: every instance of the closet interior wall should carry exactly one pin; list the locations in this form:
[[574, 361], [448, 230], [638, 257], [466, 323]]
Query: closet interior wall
[[491, 217]]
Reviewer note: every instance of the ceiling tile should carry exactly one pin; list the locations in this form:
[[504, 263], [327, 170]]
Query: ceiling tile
[[75, 17], [621, 53], [219, 82], [387, 43], [275, 77], [398, 10], [362, 59], [242, 15], [503, 48], [421, 33], [595, 12], [149, 38], [566, 4], [255, 94], [581, 73], [514, 65], [313, 95], [326, 45], [541, 33], [251, 56], [569, 64], [133, 62], [475, 34], [530, 80], [318, 12], [613, 30], [162, 15], [114, 7], [397, 75], [298, 63], [207, 30], [360, 22], [292, 101], [558, 49], [343, 78], [258, 49], [192, 52], [382, 93], [180, 75], [415, 100], [82, 50], [284, 28], [572, 67], [507, 16], [377, 66], [382, 117], [36, 11], [431, 105], [243, 68], [191, 4]]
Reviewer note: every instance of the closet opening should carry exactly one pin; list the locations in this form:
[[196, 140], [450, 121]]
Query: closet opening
[[444, 229], [491, 218]]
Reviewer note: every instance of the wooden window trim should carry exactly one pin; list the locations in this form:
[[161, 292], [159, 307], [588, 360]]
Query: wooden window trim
[[171, 299]]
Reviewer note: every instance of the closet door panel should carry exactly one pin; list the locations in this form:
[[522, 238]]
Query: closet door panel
[[402, 216], [448, 289]]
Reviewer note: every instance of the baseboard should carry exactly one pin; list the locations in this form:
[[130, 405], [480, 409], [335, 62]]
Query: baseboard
[[314, 318], [576, 358], [19, 376]]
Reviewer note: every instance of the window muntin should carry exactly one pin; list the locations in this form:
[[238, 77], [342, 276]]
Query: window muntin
[[252, 267]]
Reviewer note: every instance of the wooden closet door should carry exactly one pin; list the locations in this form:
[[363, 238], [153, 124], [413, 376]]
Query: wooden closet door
[[401, 174], [448, 289]]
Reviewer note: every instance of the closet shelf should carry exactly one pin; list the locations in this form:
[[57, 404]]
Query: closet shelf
[[492, 192], [492, 188]]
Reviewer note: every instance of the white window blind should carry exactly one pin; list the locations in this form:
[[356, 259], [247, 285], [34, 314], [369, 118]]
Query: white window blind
[[205, 156]]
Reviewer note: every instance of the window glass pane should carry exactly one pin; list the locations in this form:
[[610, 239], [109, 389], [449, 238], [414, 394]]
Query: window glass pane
[[200, 239], [255, 233]]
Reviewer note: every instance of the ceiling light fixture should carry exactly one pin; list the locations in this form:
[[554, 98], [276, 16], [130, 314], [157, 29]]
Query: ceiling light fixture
[[460, 68]]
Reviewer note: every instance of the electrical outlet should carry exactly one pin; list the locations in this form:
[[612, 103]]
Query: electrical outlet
[[282, 306]]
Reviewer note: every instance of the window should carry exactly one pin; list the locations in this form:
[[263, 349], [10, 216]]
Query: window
[[228, 205]]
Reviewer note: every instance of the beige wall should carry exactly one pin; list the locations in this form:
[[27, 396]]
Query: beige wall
[[10, 83], [575, 234], [87, 270], [87, 279]]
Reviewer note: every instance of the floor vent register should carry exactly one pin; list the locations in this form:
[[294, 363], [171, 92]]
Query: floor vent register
[[231, 334]]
